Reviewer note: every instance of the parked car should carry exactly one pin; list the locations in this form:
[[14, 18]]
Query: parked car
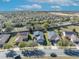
[[53, 55], [11, 53], [35, 53], [72, 52], [17, 57]]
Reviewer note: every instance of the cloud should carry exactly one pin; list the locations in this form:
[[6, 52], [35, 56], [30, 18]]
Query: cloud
[[59, 2], [18, 9], [75, 4], [42, 1], [29, 7], [34, 6], [56, 8], [6, 0]]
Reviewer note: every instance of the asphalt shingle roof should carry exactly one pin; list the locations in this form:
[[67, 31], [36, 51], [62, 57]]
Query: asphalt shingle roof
[[4, 38], [69, 33]]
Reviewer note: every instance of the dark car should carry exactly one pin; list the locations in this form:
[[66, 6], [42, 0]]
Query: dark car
[[39, 53], [11, 53], [35, 53], [72, 52], [28, 53], [53, 55], [17, 57]]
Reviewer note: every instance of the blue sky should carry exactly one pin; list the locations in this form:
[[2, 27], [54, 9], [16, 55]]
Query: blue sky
[[39, 5]]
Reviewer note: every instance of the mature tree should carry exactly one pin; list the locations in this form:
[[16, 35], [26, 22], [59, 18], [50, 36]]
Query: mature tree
[[8, 26], [46, 41], [30, 37], [31, 30], [8, 29], [32, 43], [22, 44], [74, 30], [45, 25], [64, 42]]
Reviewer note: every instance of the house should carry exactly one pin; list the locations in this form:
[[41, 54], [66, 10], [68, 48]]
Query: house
[[75, 39], [68, 34], [53, 37], [19, 39], [1, 24], [39, 36], [72, 36], [4, 38], [23, 36]]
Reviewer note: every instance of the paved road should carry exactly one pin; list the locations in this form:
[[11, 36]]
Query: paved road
[[59, 52], [3, 56]]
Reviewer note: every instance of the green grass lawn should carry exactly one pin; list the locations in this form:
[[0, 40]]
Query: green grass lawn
[[47, 40], [12, 40], [31, 35]]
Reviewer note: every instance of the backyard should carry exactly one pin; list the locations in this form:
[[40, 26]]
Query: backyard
[[70, 28]]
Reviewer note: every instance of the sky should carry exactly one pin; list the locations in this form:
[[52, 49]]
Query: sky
[[39, 5]]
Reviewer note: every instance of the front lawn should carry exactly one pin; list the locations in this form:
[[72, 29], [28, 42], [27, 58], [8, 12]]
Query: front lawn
[[46, 38], [12, 40]]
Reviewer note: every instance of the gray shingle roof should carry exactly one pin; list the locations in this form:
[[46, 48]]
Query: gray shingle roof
[[23, 35], [69, 33], [4, 38], [52, 35]]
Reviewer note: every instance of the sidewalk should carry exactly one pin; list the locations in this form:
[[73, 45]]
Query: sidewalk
[[41, 47]]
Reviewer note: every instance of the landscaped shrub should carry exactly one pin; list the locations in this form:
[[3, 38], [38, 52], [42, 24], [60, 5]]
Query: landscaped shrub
[[22, 44], [7, 46], [27, 44]]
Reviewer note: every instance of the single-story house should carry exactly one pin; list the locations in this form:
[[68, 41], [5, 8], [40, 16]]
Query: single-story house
[[4, 38], [75, 39], [68, 34], [53, 37], [72, 36], [23, 36], [19, 39], [39, 35], [1, 24]]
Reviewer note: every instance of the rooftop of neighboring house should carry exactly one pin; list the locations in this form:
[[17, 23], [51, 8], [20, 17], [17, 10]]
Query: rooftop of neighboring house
[[65, 33], [74, 38], [38, 33], [22, 36], [24, 33], [4, 38], [52, 35], [18, 39]]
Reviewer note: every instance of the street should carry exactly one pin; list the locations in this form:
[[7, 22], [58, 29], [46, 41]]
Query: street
[[59, 52]]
